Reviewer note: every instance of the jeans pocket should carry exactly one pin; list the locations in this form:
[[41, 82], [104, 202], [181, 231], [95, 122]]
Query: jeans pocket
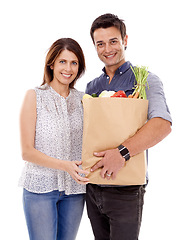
[[128, 190]]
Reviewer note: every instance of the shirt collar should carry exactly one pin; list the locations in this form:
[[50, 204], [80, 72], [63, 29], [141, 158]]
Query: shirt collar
[[123, 68]]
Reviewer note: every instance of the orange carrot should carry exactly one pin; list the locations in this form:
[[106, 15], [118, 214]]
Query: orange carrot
[[130, 96], [136, 95]]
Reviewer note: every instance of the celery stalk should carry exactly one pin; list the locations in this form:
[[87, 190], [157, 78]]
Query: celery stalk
[[141, 75]]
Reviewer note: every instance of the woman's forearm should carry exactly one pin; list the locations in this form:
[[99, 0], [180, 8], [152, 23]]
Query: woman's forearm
[[31, 154]]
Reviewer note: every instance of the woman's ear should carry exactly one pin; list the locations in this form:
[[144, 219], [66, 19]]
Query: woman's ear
[[52, 67]]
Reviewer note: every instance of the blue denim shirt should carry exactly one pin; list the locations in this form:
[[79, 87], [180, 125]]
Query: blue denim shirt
[[124, 79]]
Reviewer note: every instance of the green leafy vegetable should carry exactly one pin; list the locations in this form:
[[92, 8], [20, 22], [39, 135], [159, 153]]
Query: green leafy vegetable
[[141, 74]]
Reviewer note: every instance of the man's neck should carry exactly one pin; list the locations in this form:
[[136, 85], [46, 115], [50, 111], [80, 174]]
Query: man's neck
[[110, 70]]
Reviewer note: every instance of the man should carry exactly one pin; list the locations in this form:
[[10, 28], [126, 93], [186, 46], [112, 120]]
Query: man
[[115, 212]]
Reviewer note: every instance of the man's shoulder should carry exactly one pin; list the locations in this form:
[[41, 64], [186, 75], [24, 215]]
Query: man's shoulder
[[94, 85], [96, 80], [153, 80]]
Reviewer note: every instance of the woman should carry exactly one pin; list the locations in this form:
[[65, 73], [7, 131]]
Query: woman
[[51, 140]]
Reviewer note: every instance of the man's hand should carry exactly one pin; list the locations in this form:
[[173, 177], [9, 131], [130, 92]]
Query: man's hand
[[111, 163]]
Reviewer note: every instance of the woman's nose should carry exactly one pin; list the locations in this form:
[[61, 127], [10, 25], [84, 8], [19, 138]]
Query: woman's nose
[[68, 67]]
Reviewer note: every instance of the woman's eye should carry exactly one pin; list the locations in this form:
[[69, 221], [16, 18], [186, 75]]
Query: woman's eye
[[74, 63], [62, 61]]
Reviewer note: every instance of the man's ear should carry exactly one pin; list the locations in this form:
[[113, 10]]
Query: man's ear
[[125, 41]]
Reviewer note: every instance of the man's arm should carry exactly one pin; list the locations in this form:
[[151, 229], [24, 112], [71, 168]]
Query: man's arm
[[154, 131]]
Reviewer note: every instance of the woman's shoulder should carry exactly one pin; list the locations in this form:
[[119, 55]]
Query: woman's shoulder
[[30, 94], [42, 88], [42, 91], [29, 101], [77, 93]]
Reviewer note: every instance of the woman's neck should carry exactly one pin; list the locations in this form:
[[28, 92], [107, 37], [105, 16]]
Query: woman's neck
[[61, 89]]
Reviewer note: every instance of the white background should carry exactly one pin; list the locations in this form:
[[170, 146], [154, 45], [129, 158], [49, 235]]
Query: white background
[[158, 38]]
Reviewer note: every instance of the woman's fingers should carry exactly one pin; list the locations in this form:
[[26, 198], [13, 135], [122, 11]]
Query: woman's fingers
[[77, 171], [81, 180]]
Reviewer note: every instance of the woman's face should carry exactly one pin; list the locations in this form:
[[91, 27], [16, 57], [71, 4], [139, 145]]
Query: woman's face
[[65, 67]]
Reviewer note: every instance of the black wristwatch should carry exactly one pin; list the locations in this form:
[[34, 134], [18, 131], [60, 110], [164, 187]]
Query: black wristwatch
[[124, 152]]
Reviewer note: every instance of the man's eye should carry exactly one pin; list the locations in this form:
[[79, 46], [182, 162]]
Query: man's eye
[[100, 45], [113, 42]]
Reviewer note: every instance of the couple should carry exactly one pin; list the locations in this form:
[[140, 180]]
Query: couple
[[51, 138]]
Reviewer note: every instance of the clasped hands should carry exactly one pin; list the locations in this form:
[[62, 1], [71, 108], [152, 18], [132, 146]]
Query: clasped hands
[[110, 164]]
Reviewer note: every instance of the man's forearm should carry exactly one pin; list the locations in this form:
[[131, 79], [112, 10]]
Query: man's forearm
[[149, 135], [155, 130]]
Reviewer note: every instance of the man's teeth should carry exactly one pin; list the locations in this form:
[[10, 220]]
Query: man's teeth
[[109, 56]]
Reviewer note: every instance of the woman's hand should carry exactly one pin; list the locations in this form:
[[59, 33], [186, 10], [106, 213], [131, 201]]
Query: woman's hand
[[72, 167]]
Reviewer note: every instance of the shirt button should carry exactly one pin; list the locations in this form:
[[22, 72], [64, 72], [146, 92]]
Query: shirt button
[[107, 77], [120, 72]]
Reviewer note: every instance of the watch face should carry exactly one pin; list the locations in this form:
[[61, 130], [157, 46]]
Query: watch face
[[124, 152]]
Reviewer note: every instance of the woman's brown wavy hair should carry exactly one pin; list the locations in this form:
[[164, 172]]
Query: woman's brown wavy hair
[[55, 50]]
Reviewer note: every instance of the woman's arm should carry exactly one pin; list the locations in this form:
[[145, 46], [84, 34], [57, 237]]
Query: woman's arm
[[29, 153]]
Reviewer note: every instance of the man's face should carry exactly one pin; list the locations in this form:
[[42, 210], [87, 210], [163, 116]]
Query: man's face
[[110, 46]]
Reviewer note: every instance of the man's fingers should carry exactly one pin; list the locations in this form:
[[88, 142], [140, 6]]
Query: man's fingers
[[99, 154], [109, 175], [114, 175], [99, 164], [96, 166]]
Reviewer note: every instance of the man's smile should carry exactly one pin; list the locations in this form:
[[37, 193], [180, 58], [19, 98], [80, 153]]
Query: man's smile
[[110, 56]]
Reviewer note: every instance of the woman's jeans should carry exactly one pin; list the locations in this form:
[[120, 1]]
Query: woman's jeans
[[53, 215]]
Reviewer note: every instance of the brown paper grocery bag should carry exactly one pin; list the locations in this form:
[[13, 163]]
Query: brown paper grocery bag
[[108, 122]]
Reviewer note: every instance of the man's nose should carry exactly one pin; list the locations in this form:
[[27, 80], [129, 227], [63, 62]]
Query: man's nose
[[108, 47]]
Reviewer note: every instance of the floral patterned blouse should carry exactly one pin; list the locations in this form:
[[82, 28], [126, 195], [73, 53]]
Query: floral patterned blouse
[[59, 128]]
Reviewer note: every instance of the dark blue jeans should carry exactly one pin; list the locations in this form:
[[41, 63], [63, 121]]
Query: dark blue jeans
[[115, 212]]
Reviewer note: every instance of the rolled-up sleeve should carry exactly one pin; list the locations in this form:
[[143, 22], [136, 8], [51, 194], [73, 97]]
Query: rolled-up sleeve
[[157, 102]]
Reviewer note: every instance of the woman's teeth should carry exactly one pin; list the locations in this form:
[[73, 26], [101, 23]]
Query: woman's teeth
[[66, 75]]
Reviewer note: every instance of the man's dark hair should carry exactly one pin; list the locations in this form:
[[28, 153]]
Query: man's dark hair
[[106, 21]]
